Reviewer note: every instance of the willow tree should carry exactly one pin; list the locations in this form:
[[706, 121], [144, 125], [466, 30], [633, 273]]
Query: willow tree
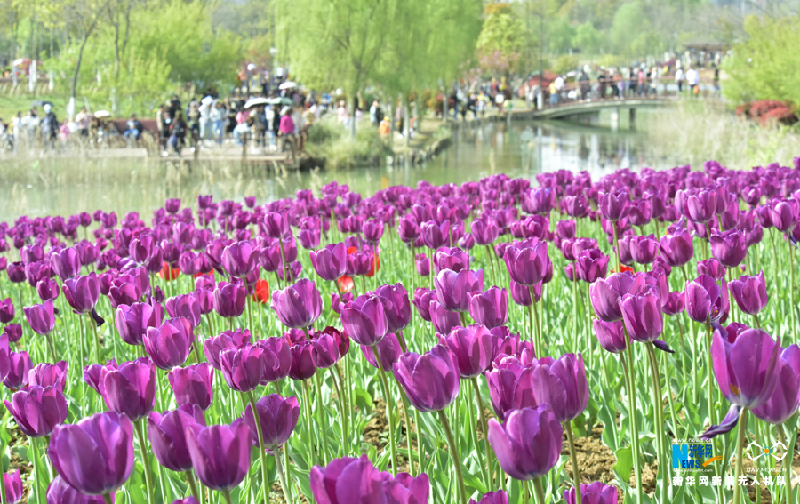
[[338, 42]]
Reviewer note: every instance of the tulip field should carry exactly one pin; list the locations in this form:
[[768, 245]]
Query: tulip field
[[453, 344]]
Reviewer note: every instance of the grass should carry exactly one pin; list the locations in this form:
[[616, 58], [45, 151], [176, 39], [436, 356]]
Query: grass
[[700, 131], [10, 105], [333, 141]]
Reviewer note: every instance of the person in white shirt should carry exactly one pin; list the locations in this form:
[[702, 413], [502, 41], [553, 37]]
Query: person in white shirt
[[679, 76]]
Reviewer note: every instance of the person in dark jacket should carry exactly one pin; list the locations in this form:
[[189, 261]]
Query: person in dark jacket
[[177, 130]]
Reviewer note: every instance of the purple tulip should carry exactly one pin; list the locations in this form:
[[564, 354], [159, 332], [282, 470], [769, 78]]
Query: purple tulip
[[167, 433], [373, 230], [169, 344], [396, 306], [193, 385], [14, 368], [41, 317], [528, 444], [37, 410], [746, 370], [123, 293], [186, 306], [359, 263], [66, 263], [303, 362], [750, 293], [95, 455], [365, 320], [239, 259], [59, 492], [243, 367], [527, 262], [596, 493], [348, 481], [49, 375], [565, 229], [498, 497], [561, 384], [591, 265], [299, 305], [431, 381], [134, 321], [614, 205], [675, 304], [610, 335], [489, 308], [330, 262], [641, 313], [453, 289], [729, 248], [276, 225], [220, 454], [422, 300], [450, 258], [784, 401], [485, 230], [711, 267], [472, 348], [277, 359], [13, 487], [16, 272], [644, 249], [540, 200], [93, 372], [130, 389], [47, 289], [706, 301], [338, 301], [782, 216], [229, 299], [443, 319], [212, 347], [6, 311], [606, 293], [278, 417], [699, 206], [82, 293], [435, 235], [13, 332], [423, 264], [389, 351]]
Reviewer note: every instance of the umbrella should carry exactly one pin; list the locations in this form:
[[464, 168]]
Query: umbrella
[[102, 113], [287, 85], [41, 103], [255, 102]]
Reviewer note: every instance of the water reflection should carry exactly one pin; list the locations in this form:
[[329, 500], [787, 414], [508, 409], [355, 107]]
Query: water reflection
[[49, 186]]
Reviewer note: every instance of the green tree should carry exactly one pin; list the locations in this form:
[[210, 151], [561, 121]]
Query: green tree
[[767, 65], [561, 34], [500, 43], [586, 38]]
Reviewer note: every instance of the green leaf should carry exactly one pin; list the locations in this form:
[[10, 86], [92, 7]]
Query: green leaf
[[363, 399], [624, 463]]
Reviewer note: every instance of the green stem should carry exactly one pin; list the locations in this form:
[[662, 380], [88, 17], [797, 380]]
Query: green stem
[[96, 342], [321, 419], [616, 245], [407, 420], [539, 491], [793, 309], [737, 488], [193, 485], [287, 488], [462, 489], [107, 498], [262, 448], [658, 409], [36, 469], [389, 411], [343, 427], [632, 419], [486, 446], [309, 428], [786, 464], [227, 495], [576, 474], [144, 452]]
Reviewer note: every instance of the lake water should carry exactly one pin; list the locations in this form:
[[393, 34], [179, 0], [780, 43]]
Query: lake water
[[65, 186]]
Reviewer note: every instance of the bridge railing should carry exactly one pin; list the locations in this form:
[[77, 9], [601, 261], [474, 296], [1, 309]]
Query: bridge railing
[[661, 88]]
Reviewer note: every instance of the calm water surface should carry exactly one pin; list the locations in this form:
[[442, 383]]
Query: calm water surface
[[68, 185]]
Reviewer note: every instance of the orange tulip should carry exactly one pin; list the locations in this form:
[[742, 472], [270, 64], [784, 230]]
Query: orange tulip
[[261, 293], [346, 283], [168, 273]]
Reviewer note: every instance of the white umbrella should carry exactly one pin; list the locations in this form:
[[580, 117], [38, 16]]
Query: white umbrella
[[102, 113], [287, 85], [255, 102]]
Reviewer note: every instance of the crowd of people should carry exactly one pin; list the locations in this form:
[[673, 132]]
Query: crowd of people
[[272, 113]]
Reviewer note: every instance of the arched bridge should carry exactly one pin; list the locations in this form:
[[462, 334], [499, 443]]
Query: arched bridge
[[591, 107]]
